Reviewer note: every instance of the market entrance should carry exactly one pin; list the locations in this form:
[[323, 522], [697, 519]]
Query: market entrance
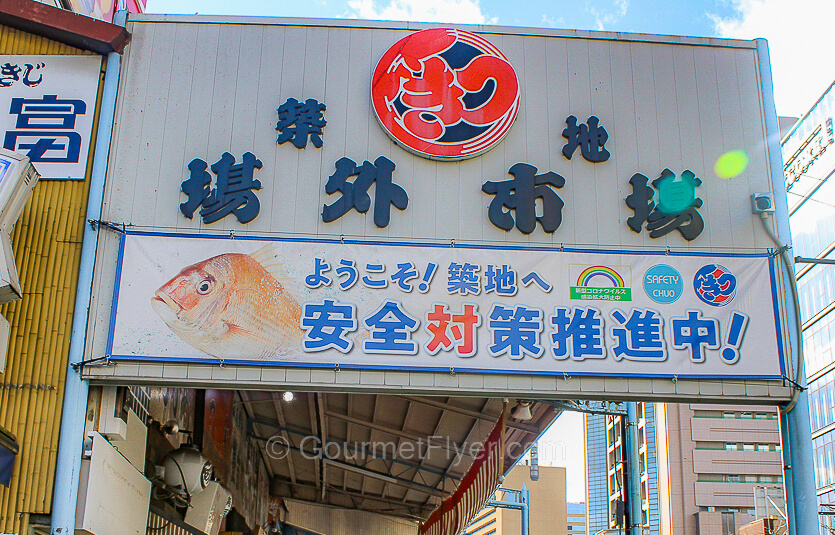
[[263, 459]]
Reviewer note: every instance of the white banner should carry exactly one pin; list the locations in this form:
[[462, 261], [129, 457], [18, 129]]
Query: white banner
[[461, 308], [47, 107]]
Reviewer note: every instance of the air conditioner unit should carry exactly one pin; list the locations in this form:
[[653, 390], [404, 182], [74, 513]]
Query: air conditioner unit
[[18, 178], [113, 496], [113, 425], [208, 507]]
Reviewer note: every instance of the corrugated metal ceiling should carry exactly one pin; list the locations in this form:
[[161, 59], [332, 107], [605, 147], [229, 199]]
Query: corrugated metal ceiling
[[383, 453]]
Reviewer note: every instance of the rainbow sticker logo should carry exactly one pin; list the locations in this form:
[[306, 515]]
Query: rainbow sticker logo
[[600, 283]]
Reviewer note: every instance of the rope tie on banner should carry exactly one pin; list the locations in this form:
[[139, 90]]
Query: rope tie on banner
[[793, 383], [95, 224], [98, 361], [566, 376], [222, 363], [342, 239]]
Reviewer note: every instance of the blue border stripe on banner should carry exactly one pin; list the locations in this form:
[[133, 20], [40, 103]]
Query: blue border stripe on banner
[[371, 367], [115, 303], [455, 369], [771, 263]]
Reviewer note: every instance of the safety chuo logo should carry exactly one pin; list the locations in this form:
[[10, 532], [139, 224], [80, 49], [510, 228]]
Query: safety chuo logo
[[445, 94]]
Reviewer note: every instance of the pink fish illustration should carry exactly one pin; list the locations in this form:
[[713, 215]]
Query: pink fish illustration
[[232, 306]]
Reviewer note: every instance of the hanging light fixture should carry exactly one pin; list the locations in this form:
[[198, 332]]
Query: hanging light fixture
[[522, 410]]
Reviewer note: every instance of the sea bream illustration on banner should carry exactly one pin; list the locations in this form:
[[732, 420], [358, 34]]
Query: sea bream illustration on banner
[[231, 303], [432, 306]]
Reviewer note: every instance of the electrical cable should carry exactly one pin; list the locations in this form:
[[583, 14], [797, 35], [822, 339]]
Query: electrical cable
[[799, 374]]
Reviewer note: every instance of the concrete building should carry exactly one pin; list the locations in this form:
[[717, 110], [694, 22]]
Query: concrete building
[[809, 164], [548, 513], [97, 9], [709, 460], [604, 470], [576, 518]]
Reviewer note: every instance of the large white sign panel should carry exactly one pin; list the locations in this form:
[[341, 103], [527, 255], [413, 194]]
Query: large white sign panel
[[47, 104], [435, 306], [587, 184]]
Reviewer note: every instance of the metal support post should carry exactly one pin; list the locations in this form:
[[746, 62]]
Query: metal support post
[[633, 479], [74, 412], [515, 499], [795, 425]]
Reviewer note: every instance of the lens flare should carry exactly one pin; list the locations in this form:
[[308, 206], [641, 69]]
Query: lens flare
[[731, 164]]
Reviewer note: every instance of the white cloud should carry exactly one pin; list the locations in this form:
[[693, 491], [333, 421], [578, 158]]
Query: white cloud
[[799, 41], [553, 22], [456, 11], [604, 17]]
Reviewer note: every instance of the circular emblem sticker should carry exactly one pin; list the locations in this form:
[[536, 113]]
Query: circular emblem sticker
[[445, 94], [663, 284], [715, 285]]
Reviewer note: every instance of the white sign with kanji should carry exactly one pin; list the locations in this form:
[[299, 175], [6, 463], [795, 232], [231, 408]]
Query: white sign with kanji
[[47, 107]]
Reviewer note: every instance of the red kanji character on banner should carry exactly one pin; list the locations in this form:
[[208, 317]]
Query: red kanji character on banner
[[452, 331]]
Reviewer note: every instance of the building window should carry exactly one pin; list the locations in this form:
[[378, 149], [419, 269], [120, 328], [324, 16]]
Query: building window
[[728, 525], [747, 447], [762, 447], [730, 446], [733, 479], [728, 415]]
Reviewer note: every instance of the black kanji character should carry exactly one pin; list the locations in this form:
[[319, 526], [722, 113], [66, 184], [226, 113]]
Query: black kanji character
[[640, 201], [677, 207], [197, 187], [590, 137], [299, 122], [232, 194], [520, 194], [355, 194]]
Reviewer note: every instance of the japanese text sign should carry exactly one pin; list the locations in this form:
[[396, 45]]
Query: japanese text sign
[[47, 106], [462, 308]]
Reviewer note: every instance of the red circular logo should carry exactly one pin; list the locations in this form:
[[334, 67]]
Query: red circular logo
[[445, 94]]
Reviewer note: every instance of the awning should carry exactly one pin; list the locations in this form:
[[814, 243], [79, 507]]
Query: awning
[[8, 452], [398, 455]]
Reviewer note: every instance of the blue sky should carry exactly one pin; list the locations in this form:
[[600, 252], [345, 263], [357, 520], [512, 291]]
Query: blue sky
[[797, 30], [644, 16]]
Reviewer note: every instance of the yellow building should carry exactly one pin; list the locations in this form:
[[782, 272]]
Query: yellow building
[[47, 246], [547, 505]]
